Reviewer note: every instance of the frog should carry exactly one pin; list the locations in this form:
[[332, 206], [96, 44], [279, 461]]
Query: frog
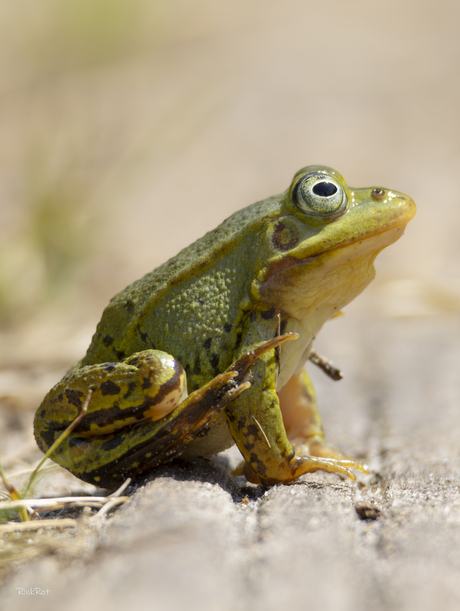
[[209, 349]]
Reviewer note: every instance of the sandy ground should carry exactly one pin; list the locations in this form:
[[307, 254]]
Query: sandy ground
[[125, 139]]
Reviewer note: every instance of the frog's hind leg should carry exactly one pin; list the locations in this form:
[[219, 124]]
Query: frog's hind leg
[[149, 444], [127, 429], [137, 418], [303, 423]]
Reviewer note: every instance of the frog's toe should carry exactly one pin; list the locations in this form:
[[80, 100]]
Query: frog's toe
[[317, 446], [331, 465], [301, 465]]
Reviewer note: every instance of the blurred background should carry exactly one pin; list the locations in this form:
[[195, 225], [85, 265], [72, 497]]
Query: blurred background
[[131, 127]]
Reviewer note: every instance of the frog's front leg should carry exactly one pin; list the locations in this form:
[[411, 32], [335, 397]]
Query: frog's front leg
[[303, 423], [256, 424]]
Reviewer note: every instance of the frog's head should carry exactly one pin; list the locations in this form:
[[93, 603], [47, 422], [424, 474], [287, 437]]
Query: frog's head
[[324, 241]]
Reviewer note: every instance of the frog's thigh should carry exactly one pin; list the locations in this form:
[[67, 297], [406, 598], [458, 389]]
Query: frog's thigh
[[147, 385], [126, 430]]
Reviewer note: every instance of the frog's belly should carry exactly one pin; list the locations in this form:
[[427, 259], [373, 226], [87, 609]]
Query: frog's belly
[[294, 355], [211, 441]]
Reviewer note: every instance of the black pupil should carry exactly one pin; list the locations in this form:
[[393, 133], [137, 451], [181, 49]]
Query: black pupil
[[324, 189]]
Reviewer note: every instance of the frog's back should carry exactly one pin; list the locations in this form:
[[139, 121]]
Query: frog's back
[[193, 297]]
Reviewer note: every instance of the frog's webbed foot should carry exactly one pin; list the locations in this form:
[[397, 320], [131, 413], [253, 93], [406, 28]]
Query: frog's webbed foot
[[304, 428], [310, 464], [318, 447], [302, 464]]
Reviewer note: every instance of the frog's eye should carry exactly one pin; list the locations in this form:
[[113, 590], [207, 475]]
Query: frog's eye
[[321, 194]]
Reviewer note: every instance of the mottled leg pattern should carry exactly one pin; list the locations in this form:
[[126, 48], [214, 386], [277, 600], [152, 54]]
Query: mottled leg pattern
[[112, 443]]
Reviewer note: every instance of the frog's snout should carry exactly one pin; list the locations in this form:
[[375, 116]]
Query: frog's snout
[[409, 206]]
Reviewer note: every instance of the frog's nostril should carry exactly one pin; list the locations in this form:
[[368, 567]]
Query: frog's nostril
[[378, 194]]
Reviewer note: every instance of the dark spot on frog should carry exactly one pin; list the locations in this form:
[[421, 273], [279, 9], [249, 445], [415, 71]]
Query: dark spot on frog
[[268, 314], [207, 343], [146, 383], [115, 414], [108, 417], [112, 443], [253, 430], [82, 443], [132, 360], [129, 305], [49, 437], [257, 465], [131, 389], [200, 301], [227, 327], [215, 361], [119, 354], [107, 340], [203, 433], [230, 416], [239, 337], [74, 397], [144, 337], [197, 365], [109, 388], [108, 367], [284, 238]]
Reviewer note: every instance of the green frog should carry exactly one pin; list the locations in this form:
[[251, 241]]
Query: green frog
[[209, 349]]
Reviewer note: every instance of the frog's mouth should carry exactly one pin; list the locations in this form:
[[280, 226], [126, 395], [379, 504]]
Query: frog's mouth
[[313, 288], [375, 241], [352, 248]]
